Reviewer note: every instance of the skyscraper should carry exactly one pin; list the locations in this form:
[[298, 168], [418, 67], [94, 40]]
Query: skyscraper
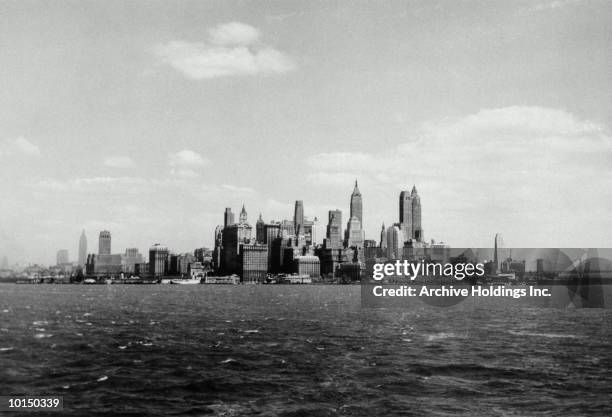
[[410, 215], [356, 204], [82, 249], [104, 243], [158, 260], [417, 230], [298, 217], [405, 214], [334, 230], [383, 237], [243, 216], [354, 235], [228, 217], [395, 242], [260, 236]]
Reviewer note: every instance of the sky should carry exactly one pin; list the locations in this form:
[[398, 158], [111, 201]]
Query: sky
[[148, 118]]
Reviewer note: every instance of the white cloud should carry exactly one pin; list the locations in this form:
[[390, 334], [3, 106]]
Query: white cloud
[[527, 169], [19, 146], [237, 189], [119, 162], [230, 50], [551, 5], [233, 33], [187, 163]]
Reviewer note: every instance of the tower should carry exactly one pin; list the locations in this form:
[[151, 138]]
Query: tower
[[417, 230], [405, 214], [104, 243], [298, 217], [82, 249], [334, 230], [260, 236], [383, 237], [395, 242], [356, 204], [228, 217], [243, 216]]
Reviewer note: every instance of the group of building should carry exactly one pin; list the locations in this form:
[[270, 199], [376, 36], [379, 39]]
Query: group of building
[[272, 248]]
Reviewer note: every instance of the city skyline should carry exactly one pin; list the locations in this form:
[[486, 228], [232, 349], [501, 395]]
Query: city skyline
[[149, 119]]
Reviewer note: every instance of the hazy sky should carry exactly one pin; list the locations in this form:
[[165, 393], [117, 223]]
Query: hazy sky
[[148, 118]]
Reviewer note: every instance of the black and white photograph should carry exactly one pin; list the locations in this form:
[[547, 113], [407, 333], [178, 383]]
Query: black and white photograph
[[306, 208]]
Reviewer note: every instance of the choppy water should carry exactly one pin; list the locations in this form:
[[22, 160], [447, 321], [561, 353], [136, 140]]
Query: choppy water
[[297, 351]]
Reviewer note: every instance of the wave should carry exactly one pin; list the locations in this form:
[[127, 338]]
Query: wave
[[547, 335]]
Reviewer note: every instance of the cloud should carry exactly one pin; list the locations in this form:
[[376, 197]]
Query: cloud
[[529, 166], [233, 33], [119, 162], [551, 5], [232, 49], [19, 146], [236, 189], [187, 163]]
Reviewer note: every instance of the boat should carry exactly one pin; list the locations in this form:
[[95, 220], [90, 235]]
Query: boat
[[187, 281]]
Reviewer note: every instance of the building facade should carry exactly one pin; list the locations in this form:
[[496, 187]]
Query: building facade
[[104, 243]]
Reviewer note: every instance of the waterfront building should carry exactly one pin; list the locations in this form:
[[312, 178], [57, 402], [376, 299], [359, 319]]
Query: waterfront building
[[202, 255], [232, 237], [158, 260], [82, 249], [395, 242], [104, 243], [253, 262], [217, 260], [307, 265], [130, 259], [349, 271], [330, 259], [62, 257], [271, 232]]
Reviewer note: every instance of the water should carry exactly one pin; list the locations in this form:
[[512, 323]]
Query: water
[[297, 351]]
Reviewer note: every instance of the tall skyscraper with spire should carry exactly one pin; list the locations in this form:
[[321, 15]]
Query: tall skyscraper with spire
[[82, 249], [357, 204], [354, 235], [410, 215], [243, 216], [383, 237], [417, 230]]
